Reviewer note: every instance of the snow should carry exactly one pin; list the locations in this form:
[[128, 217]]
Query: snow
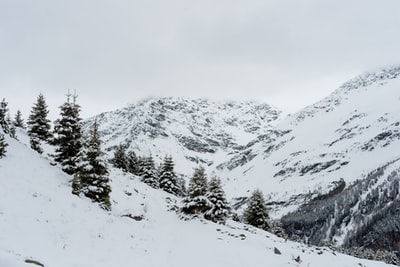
[[41, 220]]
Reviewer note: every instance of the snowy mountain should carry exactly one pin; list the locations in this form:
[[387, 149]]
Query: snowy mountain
[[345, 136], [43, 224], [193, 131], [344, 145]]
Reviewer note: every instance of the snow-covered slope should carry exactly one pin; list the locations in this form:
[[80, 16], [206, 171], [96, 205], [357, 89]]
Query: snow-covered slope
[[41, 221], [345, 136], [193, 131]]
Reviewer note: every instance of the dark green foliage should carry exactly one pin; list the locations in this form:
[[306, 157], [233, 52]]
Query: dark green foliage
[[35, 143], [168, 180], [38, 124], [68, 135], [91, 177], [132, 162], [3, 116], [3, 146], [18, 121], [149, 174], [220, 207], [196, 201], [256, 212], [120, 158]]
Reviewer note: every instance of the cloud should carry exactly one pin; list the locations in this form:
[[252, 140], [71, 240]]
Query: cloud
[[114, 52]]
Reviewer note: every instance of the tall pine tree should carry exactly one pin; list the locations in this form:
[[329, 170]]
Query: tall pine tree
[[3, 146], [3, 116], [92, 176], [168, 179], [149, 174], [220, 207], [196, 201], [68, 135], [38, 123], [256, 212]]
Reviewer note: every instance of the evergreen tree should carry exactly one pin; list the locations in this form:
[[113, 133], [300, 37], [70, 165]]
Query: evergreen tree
[[149, 174], [35, 143], [11, 128], [120, 158], [38, 123], [68, 135], [168, 179], [132, 162], [256, 212], [3, 146], [18, 121], [3, 116], [91, 177], [196, 201], [220, 207]]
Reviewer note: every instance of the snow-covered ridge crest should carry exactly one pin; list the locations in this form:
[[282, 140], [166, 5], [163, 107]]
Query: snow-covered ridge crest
[[378, 77]]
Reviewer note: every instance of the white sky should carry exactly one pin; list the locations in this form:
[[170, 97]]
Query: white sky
[[284, 52]]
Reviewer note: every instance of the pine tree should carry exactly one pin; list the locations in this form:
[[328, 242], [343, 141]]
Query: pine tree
[[196, 201], [149, 174], [38, 123], [168, 179], [120, 158], [91, 177], [256, 212], [3, 116], [132, 162], [68, 135], [3, 146], [18, 121], [35, 143], [220, 207], [11, 128]]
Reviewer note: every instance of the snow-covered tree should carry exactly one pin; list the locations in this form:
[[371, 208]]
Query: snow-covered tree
[[149, 174], [38, 123], [220, 207], [256, 212], [68, 135], [35, 143], [92, 176], [11, 128], [168, 180], [196, 201], [18, 121], [3, 116], [120, 158], [132, 162], [3, 146]]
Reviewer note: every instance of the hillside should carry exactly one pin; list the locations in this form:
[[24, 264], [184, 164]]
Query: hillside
[[42, 221]]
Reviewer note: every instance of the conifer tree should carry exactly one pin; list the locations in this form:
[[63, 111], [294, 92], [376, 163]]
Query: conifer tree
[[120, 158], [168, 180], [220, 207], [91, 177], [3, 146], [11, 128], [38, 123], [149, 174], [256, 212], [18, 121], [196, 201], [68, 135], [3, 116], [132, 162], [35, 143]]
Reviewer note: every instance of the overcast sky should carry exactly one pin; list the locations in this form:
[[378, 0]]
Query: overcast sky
[[288, 53]]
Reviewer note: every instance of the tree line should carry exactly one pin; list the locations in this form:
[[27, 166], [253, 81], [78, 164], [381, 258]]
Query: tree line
[[80, 155]]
